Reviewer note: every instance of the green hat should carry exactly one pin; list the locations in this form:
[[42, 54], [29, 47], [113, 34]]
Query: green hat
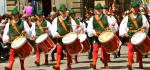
[[98, 6], [14, 11], [39, 12], [135, 4], [71, 11], [62, 7]]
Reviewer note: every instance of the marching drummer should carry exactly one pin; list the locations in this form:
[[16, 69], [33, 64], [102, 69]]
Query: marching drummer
[[61, 25], [76, 25], [38, 28], [131, 24], [97, 24], [13, 29]]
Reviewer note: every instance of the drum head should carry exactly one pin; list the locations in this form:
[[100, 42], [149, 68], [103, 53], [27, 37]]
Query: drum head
[[138, 38], [41, 38], [18, 42], [82, 37], [69, 38], [105, 36]]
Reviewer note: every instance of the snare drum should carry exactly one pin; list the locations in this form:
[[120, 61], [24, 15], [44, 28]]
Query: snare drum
[[109, 41], [141, 42], [44, 42], [85, 42], [72, 43], [22, 47]]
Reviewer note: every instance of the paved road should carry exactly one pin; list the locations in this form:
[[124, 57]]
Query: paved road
[[115, 64]]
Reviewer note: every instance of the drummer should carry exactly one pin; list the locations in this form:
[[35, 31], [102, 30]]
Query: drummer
[[13, 29], [41, 26], [97, 24], [61, 25], [130, 26]]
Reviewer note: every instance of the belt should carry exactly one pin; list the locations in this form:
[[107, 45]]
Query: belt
[[13, 36], [133, 30]]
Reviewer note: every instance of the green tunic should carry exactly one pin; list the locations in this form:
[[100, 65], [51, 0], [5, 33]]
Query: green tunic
[[98, 28], [61, 30], [38, 30], [13, 32], [131, 25]]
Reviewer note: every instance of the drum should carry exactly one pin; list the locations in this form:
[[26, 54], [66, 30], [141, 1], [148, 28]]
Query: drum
[[72, 43], [85, 42], [22, 47], [109, 41], [141, 42], [44, 42]]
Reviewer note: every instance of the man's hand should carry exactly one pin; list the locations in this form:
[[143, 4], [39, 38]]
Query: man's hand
[[107, 28], [23, 32], [126, 35], [77, 26], [33, 37], [58, 36], [46, 30]]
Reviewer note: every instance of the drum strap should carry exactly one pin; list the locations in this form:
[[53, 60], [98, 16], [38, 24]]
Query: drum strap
[[99, 21], [62, 23], [40, 27], [15, 27], [134, 20]]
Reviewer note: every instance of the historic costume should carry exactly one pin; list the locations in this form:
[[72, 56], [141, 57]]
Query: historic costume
[[13, 29], [38, 28], [61, 25], [96, 25], [131, 24]]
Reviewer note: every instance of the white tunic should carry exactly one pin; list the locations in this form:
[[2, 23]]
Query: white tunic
[[124, 28], [91, 31], [5, 37]]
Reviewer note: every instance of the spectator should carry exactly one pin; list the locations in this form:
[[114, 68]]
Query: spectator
[[28, 10]]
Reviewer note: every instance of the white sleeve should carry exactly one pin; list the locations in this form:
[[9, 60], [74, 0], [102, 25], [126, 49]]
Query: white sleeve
[[73, 25], [5, 36], [82, 24], [49, 27], [123, 29], [54, 28], [33, 29], [145, 24], [112, 21], [90, 30], [26, 27]]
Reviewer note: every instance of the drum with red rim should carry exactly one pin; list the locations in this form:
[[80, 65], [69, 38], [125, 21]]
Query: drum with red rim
[[22, 47], [72, 43], [44, 42], [85, 42], [141, 42], [109, 41]]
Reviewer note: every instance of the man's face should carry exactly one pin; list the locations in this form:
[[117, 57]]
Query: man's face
[[136, 9], [40, 17], [63, 13], [98, 11], [87, 15], [16, 17], [52, 16], [73, 15]]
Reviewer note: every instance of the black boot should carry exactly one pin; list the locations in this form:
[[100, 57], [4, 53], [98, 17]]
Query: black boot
[[53, 54], [90, 53]]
